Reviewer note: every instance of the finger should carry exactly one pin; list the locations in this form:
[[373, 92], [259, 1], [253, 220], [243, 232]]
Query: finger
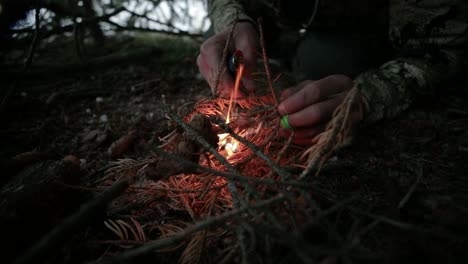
[[303, 141], [226, 86], [303, 136], [316, 113], [250, 62], [307, 136], [292, 90], [314, 92], [308, 132]]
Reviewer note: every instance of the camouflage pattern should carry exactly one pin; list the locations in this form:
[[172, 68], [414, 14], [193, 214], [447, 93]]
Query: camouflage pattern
[[223, 13], [429, 38]]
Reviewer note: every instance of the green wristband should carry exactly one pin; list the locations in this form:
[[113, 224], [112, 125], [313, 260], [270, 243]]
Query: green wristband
[[285, 122]]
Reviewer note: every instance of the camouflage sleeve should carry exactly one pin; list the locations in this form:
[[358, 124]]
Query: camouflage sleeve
[[223, 13], [430, 37]]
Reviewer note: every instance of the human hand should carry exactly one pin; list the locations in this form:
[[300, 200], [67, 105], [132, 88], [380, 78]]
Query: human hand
[[245, 38], [310, 106]]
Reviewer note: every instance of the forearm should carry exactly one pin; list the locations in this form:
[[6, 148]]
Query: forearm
[[390, 89], [430, 41], [223, 13]]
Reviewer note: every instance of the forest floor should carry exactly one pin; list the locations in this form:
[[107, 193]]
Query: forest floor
[[406, 177]]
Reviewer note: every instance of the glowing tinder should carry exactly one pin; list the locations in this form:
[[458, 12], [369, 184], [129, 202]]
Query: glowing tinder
[[228, 143]]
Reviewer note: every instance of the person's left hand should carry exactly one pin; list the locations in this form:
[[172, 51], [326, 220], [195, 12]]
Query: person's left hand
[[310, 105]]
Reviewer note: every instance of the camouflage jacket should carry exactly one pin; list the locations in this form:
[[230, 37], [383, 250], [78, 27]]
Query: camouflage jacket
[[429, 38]]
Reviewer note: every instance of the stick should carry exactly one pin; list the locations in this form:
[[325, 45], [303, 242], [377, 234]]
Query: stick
[[35, 40], [222, 63], [411, 190], [231, 176], [265, 60], [333, 136]]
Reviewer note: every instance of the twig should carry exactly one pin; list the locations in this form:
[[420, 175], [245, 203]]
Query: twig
[[411, 190], [457, 111], [408, 226], [265, 60], [169, 25], [208, 223], [175, 190], [332, 137], [28, 61], [228, 175], [69, 27], [61, 233], [141, 29], [222, 63], [285, 147], [77, 35], [35, 40]]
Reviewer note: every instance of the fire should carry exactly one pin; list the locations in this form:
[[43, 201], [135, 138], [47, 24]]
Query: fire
[[228, 143], [225, 140]]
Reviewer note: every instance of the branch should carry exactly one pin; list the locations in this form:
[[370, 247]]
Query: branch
[[67, 28], [265, 60], [35, 40], [10, 71], [178, 33], [222, 63]]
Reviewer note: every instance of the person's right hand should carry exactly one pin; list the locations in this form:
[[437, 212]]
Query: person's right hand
[[245, 38]]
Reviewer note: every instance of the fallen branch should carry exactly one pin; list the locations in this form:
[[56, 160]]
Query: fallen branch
[[334, 136], [140, 29], [12, 71]]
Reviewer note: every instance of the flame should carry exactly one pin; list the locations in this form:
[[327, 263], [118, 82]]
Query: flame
[[225, 140], [235, 91]]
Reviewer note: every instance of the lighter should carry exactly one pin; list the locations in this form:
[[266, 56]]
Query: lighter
[[234, 61]]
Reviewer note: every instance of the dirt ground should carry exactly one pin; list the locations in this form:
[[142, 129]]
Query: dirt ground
[[405, 180]]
